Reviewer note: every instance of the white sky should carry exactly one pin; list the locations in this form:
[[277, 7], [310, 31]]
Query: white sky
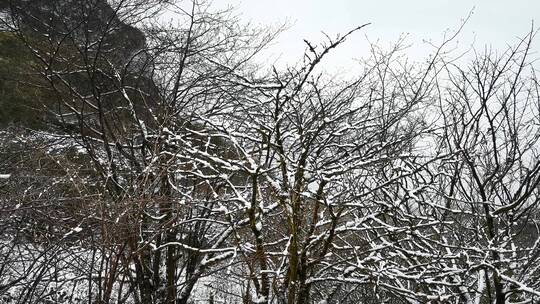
[[493, 22]]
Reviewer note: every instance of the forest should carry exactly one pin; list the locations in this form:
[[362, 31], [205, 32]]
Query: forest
[[148, 155]]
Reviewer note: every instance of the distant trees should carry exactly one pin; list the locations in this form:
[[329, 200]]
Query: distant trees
[[173, 166]]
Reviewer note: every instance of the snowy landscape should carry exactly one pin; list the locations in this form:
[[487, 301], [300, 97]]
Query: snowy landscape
[[149, 155]]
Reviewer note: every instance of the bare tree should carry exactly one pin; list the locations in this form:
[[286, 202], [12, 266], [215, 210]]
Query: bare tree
[[490, 186], [322, 176], [125, 96]]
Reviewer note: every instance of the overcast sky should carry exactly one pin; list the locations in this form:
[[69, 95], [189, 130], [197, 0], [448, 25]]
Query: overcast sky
[[493, 22]]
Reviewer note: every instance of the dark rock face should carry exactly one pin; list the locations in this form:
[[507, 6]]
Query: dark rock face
[[83, 28], [82, 20]]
